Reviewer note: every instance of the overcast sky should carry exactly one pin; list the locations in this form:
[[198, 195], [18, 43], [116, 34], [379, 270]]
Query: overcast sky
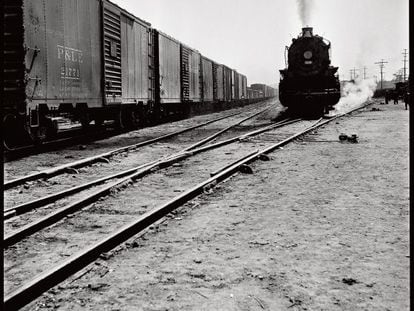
[[250, 36]]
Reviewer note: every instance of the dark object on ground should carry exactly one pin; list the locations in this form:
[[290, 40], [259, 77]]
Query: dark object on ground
[[350, 281], [345, 138], [353, 138], [245, 169]]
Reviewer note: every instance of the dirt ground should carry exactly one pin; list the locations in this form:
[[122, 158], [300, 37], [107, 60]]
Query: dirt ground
[[322, 226]]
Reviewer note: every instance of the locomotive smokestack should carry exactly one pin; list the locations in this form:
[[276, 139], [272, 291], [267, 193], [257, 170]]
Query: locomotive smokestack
[[307, 32]]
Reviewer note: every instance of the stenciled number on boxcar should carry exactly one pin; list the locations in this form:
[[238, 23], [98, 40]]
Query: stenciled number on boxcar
[[70, 74]]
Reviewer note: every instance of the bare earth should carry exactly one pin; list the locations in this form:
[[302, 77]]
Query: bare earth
[[322, 226]]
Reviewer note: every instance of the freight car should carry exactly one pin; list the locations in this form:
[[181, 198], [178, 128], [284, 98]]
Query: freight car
[[309, 85], [89, 61], [265, 90], [251, 93]]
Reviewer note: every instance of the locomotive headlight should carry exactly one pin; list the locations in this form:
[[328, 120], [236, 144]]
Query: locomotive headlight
[[307, 55]]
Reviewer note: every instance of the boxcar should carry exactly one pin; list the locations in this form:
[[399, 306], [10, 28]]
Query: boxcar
[[218, 81], [169, 69], [190, 75], [51, 63], [259, 87], [228, 83], [91, 61], [244, 87], [234, 85], [127, 62], [207, 79], [240, 85], [259, 90]]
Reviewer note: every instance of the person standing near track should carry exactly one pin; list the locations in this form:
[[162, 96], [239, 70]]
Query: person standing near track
[[407, 99], [387, 96], [394, 96]]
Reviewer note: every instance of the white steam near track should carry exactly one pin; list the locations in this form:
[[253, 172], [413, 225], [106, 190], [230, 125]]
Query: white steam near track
[[354, 94], [304, 10]]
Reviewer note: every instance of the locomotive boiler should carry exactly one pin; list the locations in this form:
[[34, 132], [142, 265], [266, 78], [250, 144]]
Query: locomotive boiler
[[309, 85]]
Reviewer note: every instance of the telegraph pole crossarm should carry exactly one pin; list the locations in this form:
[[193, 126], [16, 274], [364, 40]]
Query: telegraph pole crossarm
[[381, 64]]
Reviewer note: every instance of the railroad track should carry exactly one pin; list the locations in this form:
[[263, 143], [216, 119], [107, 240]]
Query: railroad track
[[122, 177], [68, 138], [100, 157], [99, 178], [63, 188], [137, 171], [77, 136], [106, 156], [147, 216]]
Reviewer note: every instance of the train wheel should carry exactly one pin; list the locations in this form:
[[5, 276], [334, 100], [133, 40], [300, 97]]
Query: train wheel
[[99, 121], [124, 118], [84, 119], [52, 129], [46, 131], [11, 132], [135, 118], [143, 116], [41, 134], [129, 118]]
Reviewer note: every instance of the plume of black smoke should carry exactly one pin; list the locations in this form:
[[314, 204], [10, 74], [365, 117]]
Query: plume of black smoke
[[304, 10]]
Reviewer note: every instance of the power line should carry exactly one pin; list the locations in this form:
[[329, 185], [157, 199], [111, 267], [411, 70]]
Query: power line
[[365, 72], [381, 64]]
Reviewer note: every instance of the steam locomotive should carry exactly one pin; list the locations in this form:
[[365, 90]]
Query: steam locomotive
[[309, 85]]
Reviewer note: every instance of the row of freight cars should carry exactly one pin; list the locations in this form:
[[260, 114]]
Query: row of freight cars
[[91, 61], [259, 90]]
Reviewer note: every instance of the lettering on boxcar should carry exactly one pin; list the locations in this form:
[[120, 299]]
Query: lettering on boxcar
[[69, 54], [70, 73], [71, 58]]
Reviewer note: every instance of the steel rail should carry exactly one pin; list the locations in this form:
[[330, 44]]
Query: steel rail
[[211, 137], [10, 154], [53, 276], [83, 162], [28, 206], [60, 213]]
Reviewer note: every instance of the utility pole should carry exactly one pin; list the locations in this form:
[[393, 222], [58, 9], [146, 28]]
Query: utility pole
[[405, 53], [353, 73], [401, 77], [365, 72], [381, 64], [398, 76]]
